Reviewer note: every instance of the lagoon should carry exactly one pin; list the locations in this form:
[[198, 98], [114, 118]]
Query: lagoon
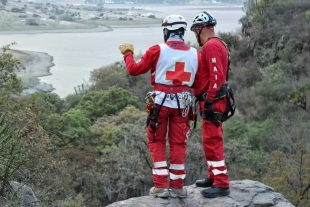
[[76, 54]]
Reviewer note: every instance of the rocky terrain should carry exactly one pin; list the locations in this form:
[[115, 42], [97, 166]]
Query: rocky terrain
[[244, 193]]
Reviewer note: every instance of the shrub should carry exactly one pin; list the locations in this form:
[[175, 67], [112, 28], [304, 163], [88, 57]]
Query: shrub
[[17, 10], [53, 17], [68, 18], [152, 16], [232, 40], [32, 22]]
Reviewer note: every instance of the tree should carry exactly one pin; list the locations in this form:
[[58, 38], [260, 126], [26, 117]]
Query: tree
[[76, 129], [109, 102], [301, 97], [12, 154], [9, 82], [106, 77], [116, 75], [125, 160]]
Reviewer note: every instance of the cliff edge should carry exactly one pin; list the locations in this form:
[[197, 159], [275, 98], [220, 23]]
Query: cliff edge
[[244, 193]]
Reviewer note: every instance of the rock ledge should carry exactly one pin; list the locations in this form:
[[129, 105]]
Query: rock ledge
[[244, 193]]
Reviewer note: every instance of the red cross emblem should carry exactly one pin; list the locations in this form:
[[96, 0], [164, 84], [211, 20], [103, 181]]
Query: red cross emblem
[[178, 76]]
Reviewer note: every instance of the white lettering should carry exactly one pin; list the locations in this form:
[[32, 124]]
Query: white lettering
[[215, 69], [213, 60], [215, 77], [215, 86]]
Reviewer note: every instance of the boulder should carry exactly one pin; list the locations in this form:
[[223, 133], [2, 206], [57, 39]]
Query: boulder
[[245, 193], [22, 196]]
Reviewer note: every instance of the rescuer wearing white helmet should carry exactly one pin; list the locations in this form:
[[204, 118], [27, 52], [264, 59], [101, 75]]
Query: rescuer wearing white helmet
[[215, 62], [173, 66]]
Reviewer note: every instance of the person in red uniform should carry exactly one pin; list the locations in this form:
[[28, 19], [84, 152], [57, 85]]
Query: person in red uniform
[[214, 57], [173, 66]]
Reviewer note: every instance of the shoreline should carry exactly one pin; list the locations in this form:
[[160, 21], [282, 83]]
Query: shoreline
[[94, 30], [97, 29], [37, 64]]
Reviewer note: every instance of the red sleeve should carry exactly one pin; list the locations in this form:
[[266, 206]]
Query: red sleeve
[[214, 56], [147, 62], [196, 89]]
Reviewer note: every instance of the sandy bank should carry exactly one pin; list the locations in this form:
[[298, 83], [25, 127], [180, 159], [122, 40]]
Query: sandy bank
[[37, 64], [98, 29]]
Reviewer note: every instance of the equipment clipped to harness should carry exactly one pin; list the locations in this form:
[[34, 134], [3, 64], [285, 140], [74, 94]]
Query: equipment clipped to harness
[[187, 102], [231, 104], [151, 110], [192, 114], [150, 102], [224, 92]]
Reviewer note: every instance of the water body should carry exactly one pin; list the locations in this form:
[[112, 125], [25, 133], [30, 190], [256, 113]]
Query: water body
[[77, 54]]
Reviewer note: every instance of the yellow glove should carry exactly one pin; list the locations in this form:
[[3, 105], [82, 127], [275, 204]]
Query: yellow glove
[[126, 47]]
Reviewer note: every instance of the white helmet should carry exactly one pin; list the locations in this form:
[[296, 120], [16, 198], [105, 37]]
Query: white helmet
[[203, 19], [174, 22]]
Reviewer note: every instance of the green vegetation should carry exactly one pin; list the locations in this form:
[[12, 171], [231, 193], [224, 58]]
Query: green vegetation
[[90, 149], [9, 83], [271, 77]]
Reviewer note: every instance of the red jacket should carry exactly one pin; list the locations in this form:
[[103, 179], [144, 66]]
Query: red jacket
[[214, 58]]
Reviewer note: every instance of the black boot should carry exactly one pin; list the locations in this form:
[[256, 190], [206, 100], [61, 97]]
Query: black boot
[[214, 192], [204, 183]]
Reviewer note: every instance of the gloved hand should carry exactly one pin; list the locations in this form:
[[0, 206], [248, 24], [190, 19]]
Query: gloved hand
[[126, 47], [209, 113], [208, 109]]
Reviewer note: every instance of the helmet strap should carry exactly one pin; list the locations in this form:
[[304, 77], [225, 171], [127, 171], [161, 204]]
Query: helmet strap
[[199, 39], [166, 34]]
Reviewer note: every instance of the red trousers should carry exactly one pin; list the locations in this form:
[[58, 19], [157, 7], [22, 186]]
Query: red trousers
[[213, 145], [178, 129]]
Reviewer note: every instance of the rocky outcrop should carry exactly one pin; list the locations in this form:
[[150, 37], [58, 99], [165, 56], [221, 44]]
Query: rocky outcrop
[[21, 195], [245, 193], [28, 197]]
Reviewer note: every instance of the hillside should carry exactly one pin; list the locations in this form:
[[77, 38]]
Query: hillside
[[27, 16], [90, 149]]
